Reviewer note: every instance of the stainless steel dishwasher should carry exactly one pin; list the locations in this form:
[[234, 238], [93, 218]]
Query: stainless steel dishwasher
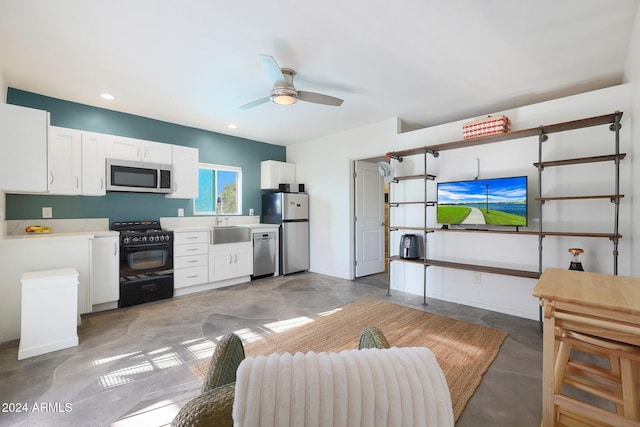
[[264, 254]]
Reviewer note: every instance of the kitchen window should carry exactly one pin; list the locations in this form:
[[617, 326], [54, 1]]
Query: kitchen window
[[219, 187]]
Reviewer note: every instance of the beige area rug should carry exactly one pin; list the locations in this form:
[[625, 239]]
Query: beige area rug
[[464, 350]]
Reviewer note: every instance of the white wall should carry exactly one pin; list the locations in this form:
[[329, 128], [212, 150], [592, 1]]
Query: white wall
[[324, 165], [633, 77], [3, 87]]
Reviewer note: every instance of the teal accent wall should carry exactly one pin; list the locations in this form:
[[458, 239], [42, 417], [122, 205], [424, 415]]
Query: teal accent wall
[[214, 148]]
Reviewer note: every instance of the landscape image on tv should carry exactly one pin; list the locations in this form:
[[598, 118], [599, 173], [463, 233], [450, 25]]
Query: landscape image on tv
[[497, 201]]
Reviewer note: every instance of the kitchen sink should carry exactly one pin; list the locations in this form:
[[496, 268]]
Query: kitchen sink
[[230, 234]]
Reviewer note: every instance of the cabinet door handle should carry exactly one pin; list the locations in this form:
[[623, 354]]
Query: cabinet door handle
[[230, 258], [235, 258], [192, 277], [192, 261], [101, 183], [51, 180], [192, 237], [115, 249], [77, 182]]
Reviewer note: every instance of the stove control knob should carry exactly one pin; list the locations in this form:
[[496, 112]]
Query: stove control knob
[[144, 239], [126, 240]]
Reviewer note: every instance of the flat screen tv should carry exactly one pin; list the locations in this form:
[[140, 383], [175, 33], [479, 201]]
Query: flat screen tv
[[496, 201]]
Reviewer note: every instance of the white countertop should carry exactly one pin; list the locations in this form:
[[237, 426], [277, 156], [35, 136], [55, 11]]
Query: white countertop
[[54, 235], [206, 228]]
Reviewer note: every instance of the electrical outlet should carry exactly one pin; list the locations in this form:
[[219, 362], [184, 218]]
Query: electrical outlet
[[477, 278], [47, 212], [251, 212], [180, 212]]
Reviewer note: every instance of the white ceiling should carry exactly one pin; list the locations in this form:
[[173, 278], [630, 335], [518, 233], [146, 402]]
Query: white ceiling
[[194, 62]]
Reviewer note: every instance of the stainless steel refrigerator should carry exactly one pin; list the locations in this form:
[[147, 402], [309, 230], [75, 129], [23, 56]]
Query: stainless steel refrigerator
[[291, 212]]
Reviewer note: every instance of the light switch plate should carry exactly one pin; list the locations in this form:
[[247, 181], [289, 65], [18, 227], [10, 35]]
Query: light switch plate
[[47, 212], [180, 212], [250, 211]]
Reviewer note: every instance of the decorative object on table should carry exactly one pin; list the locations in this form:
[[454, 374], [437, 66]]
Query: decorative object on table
[[37, 229], [485, 127], [576, 259]]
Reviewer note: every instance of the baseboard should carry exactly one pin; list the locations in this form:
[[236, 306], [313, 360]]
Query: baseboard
[[24, 353]]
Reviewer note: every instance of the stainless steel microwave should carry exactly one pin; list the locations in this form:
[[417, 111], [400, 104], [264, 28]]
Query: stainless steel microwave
[[140, 177]]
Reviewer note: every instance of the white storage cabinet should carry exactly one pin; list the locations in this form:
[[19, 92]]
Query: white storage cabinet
[[105, 273], [230, 260], [190, 258], [65, 161], [185, 172], [24, 147], [273, 173]]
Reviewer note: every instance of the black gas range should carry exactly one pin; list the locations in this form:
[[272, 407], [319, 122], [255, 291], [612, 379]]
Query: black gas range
[[146, 262]]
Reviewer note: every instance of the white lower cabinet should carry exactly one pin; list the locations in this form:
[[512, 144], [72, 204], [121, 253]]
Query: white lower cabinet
[[105, 276], [190, 258], [230, 260]]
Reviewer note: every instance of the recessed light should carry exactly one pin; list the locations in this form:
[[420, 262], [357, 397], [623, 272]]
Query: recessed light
[[232, 126], [107, 96]]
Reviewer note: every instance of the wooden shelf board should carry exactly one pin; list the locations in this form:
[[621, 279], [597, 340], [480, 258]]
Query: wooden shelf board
[[484, 269], [462, 230], [421, 176], [524, 133], [580, 234], [410, 261], [581, 160], [397, 227], [518, 233], [427, 203], [600, 196], [470, 267]]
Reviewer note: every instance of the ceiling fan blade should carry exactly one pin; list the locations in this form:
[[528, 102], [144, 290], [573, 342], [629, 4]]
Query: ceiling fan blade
[[255, 103], [272, 68], [318, 98]]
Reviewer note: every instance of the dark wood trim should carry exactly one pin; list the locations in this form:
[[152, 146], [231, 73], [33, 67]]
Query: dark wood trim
[[518, 134], [580, 160], [421, 176], [600, 196], [470, 267]]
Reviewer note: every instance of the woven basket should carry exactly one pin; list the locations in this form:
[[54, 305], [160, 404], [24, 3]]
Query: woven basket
[[488, 126]]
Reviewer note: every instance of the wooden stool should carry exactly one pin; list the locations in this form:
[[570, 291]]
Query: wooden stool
[[616, 383]]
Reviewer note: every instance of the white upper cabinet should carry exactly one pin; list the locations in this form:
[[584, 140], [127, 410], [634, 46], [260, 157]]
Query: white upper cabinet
[[123, 148], [93, 164], [273, 173], [185, 172], [23, 149], [65, 161], [156, 152]]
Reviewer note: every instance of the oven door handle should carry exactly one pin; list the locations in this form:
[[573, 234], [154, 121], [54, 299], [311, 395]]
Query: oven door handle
[[146, 245]]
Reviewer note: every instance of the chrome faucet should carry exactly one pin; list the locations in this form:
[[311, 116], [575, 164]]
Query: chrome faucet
[[218, 205]]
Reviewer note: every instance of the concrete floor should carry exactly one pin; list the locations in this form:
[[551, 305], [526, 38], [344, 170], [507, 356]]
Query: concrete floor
[[131, 367]]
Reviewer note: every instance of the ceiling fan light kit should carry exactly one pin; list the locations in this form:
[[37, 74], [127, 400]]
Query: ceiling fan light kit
[[284, 92]]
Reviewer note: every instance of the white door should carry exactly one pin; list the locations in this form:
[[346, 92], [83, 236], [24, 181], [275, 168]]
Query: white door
[[369, 208]]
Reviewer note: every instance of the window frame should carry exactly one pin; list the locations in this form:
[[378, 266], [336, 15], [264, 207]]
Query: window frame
[[224, 168]]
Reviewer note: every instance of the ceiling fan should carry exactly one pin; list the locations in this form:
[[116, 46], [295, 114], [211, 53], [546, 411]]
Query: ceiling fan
[[283, 92]]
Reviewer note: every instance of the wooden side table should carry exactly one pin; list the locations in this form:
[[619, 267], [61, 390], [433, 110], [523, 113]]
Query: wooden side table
[[598, 305]]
